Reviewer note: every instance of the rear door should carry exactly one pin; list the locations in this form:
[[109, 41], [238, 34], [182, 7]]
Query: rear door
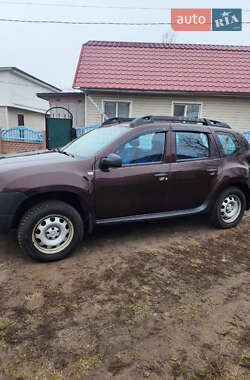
[[194, 170]]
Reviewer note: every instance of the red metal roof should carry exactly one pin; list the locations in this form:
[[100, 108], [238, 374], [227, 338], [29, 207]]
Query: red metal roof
[[163, 67]]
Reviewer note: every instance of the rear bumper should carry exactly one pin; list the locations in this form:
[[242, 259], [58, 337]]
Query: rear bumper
[[9, 203]]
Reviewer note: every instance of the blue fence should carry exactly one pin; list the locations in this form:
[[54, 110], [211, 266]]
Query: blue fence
[[83, 130], [21, 134], [247, 135]]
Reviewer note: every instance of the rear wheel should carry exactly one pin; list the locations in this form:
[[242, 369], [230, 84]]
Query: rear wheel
[[50, 230], [229, 208]]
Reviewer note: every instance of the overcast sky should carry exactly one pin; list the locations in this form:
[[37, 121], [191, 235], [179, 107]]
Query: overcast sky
[[51, 52]]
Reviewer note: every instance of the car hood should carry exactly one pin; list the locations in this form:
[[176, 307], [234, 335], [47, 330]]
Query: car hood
[[22, 172], [32, 158]]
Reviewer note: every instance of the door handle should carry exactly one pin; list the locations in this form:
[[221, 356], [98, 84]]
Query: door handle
[[162, 177], [212, 171], [161, 174]]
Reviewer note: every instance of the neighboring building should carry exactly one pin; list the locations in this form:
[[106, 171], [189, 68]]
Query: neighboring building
[[19, 104], [73, 101], [134, 79]]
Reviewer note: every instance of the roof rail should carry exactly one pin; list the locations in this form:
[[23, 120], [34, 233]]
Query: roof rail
[[117, 120], [179, 119], [215, 123]]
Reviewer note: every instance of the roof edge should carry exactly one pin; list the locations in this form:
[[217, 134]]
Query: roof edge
[[78, 65], [48, 95], [161, 45], [19, 71], [167, 92]]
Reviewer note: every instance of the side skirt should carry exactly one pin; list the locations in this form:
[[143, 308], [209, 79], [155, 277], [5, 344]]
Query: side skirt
[[161, 215]]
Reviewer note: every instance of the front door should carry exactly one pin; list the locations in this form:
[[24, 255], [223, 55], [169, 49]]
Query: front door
[[194, 172], [140, 186]]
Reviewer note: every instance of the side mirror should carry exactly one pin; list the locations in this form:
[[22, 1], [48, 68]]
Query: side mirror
[[111, 161]]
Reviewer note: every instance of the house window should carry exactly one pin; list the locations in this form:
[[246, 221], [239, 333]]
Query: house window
[[187, 110], [20, 119], [116, 109]]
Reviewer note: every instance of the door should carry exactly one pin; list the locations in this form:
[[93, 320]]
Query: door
[[194, 172], [58, 127], [140, 186]]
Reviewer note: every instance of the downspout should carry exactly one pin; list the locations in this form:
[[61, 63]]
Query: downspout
[[88, 97], [86, 110]]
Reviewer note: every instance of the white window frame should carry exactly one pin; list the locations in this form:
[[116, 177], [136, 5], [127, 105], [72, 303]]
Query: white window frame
[[118, 101], [187, 103]]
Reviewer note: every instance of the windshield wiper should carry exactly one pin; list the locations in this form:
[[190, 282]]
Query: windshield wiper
[[63, 152]]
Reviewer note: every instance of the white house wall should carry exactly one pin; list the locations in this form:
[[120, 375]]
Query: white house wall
[[235, 111], [77, 110], [19, 91], [5, 88], [2, 117], [32, 120]]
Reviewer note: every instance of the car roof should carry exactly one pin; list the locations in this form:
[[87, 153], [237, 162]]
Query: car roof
[[171, 121]]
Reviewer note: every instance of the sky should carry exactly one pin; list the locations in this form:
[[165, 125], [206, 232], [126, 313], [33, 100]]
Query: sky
[[51, 52]]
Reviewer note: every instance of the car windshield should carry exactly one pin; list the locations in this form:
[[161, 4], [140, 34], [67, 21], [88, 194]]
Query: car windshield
[[93, 142]]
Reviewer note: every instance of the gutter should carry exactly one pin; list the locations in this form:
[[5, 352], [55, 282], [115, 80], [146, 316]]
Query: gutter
[[179, 93]]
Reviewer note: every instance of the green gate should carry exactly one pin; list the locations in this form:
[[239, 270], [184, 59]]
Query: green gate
[[59, 131]]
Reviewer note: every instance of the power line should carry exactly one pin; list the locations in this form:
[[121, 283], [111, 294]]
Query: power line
[[79, 5], [86, 6], [95, 22], [84, 22]]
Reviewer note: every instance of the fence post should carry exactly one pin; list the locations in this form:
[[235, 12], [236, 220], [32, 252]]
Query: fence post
[[44, 140]]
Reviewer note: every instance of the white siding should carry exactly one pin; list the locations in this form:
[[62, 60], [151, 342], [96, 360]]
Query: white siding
[[32, 120], [19, 91], [77, 110], [2, 117], [18, 96], [235, 111]]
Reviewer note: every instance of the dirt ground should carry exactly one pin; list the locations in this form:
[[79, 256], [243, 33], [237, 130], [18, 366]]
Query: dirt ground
[[161, 300]]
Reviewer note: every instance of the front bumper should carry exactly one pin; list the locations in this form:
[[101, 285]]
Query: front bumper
[[9, 204]]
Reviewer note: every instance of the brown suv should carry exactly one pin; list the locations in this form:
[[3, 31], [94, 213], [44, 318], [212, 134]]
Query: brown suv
[[127, 170]]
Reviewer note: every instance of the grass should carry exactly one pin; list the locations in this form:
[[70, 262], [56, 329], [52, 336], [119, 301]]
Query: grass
[[84, 365], [4, 323], [34, 301]]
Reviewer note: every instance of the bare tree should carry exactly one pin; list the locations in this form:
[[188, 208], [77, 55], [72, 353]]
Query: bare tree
[[168, 37]]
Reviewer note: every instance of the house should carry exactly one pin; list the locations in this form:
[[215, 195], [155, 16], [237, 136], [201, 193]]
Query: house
[[19, 104], [72, 101], [131, 79]]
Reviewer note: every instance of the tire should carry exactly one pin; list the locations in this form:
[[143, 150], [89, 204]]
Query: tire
[[50, 231], [229, 208]]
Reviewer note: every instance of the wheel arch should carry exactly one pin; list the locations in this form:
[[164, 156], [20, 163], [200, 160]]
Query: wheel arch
[[71, 198], [240, 185]]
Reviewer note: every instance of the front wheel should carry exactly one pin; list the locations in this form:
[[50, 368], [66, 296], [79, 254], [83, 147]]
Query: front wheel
[[50, 231], [229, 208]]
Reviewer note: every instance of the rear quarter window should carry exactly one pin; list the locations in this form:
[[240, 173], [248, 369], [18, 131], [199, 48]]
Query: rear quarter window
[[228, 143]]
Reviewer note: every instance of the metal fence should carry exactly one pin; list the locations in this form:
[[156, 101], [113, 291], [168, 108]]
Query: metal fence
[[247, 135], [83, 130], [21, 133]]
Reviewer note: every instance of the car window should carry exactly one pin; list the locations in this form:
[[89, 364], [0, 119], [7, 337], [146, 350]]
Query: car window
[[92, 142], [191, 145], [147, 148], [228, 142]]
